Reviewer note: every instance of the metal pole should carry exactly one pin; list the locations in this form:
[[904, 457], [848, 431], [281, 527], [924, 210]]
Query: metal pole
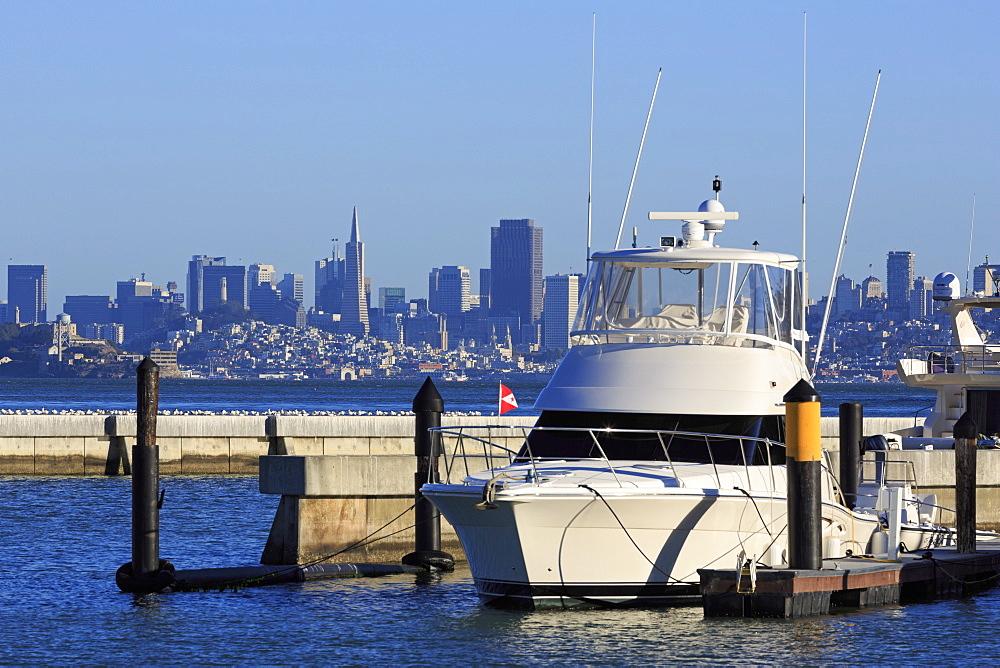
[[805, 545], [146, 474], [851, 425], [427, 407], [966, 442]]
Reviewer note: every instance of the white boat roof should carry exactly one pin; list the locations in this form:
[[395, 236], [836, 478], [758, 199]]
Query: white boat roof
[[695, 254]]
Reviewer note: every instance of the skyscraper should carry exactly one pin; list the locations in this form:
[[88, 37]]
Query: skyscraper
[[516, 270], [388, 298], [27, 292], [329, 282], [354, 308], [561, 301], [899, 282], [195, 280], [448, 291]]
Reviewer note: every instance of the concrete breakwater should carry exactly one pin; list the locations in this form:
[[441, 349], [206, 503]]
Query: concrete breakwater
[[93, 444]]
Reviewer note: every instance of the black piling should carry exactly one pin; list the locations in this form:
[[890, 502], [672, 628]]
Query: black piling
[[428, 407], [802, 423], [146, 572], [966, 443], [851, 427]]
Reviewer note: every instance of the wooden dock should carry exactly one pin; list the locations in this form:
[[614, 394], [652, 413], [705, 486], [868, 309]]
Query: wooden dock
[[852, 582]]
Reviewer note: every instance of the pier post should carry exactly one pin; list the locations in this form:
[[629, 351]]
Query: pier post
[[966, 443], [851, 425], [146, 473], [427, 407], [146, 572], [802, 420]]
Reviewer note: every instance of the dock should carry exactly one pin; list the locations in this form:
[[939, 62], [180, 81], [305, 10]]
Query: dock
[[850, 583]]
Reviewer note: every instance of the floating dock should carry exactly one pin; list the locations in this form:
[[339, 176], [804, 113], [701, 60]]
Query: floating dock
[[852, 582]]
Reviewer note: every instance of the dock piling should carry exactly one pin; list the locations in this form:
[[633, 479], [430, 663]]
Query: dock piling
[[146, 572], [966, 443], [851, 421], [427, 407], [803, 451]]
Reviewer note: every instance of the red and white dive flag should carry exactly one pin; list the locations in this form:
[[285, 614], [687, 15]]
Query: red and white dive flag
[[507, 400]]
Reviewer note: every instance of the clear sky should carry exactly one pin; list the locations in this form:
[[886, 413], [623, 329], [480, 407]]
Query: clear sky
[[136, 134]]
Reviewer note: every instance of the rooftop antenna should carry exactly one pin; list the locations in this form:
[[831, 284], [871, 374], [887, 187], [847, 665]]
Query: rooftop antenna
[[635, 169], [843, 234], [972, 227], [590, 186]]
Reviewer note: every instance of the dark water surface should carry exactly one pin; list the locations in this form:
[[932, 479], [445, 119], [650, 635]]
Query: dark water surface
[[879, 399], [61, 540]]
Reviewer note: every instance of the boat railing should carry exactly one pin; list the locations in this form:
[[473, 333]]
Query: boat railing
[[468, 450], [957, 359], [657, 336], [884, 472]]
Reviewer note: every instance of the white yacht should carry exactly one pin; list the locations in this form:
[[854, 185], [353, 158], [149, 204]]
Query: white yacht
[[658, 450], [965, 375]]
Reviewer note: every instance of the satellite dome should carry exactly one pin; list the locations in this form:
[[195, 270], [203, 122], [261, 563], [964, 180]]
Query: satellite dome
[[712, 206]]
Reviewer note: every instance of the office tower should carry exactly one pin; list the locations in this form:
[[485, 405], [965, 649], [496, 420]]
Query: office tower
[[292, 286], [388, 298], [258, 274], [922, 298], [516, 270], [485, 276], [562, 295], [871, 288], [329, 282], [195, 280], [221, 283], [847, 297], [899, 281], [448, 290], [27, 292], [90, 309], [354, 308], [262, 300]]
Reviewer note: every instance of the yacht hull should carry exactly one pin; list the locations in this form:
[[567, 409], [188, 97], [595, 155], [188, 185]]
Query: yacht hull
[[561, 549]]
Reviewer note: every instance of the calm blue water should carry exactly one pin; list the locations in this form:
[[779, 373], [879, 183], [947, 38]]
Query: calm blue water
[[881, 399], [61, 540]]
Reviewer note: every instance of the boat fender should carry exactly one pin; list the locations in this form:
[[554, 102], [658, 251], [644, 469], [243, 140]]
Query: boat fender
[[431, 560], [160, 581]]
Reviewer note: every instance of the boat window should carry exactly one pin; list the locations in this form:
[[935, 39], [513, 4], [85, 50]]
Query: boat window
[[770, 298], [692, 302], [632, 296]]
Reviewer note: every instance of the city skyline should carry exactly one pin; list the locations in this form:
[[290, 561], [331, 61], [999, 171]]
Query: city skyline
[[138, 136]]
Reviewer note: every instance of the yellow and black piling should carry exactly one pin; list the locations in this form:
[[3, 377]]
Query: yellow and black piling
[[803, 457]]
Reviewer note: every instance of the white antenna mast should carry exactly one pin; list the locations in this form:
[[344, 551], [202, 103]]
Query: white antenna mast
[[843, 234], [804, 296], [968, 265], [590, 186], [635, 169]]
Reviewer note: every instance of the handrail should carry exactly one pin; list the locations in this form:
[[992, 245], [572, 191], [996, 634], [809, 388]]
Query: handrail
[[492, 450]]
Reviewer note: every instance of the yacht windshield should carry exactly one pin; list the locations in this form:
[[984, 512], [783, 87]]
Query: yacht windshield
[[728, 303]]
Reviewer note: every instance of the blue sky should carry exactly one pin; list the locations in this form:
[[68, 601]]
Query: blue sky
[[135, 135]]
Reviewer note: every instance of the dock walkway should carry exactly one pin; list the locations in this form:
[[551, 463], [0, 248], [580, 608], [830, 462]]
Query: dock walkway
[[852, 583]]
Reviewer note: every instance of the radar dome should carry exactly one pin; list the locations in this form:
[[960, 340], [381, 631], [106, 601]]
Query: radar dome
[[946, 286], [712, 206]]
